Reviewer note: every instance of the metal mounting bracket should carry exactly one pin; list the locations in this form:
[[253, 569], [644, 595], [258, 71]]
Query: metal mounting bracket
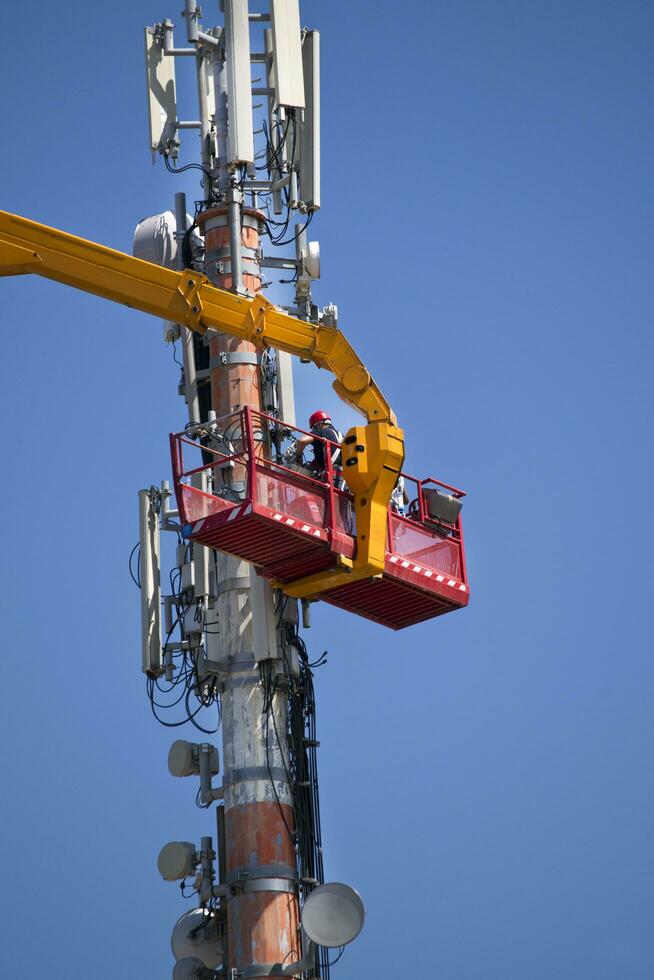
[[189, 289]]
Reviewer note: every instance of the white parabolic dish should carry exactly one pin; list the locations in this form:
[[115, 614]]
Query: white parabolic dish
[[333, 915], [200, 946]]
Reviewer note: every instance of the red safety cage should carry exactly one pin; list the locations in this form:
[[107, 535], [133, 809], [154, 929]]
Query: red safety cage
[[247, 495]]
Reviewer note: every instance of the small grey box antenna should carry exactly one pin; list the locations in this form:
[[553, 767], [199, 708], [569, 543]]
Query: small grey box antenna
[[287, 40], [162, 103], [240, 139], [310, 129]]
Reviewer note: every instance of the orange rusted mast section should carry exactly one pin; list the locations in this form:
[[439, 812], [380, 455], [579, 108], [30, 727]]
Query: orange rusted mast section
[[263, 913]]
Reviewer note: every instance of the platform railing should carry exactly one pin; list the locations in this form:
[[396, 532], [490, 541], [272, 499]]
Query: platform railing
[[315, 486], [271, 480], [417, 537]]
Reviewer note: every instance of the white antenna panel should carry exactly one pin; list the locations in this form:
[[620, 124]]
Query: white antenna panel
[[287, 44], [208, 87], [310, 130], [240, 140], [162, 104]]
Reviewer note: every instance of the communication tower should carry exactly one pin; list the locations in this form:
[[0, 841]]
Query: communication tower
[[227, 637], [257, 530]]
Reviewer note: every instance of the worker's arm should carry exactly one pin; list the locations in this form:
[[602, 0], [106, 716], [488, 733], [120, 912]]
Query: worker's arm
[[300, 445], [373, 454]]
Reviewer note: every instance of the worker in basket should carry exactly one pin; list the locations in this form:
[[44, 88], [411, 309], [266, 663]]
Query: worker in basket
[[399, 497], [322, 428]]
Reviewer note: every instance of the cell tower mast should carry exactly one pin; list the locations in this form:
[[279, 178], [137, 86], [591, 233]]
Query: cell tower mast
[[229, 637], [239, 631]]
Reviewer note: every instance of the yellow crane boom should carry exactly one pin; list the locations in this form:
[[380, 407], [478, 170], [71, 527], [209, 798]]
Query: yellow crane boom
[[372, 454]]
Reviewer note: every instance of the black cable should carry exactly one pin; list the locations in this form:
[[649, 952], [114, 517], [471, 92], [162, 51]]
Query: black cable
[[264, 672], [136, 581], [187, 252], [187, 166], [191, 716], [332, 962], [287, 241], [176, 359], [300, 231], [272, 152], [182, 886]]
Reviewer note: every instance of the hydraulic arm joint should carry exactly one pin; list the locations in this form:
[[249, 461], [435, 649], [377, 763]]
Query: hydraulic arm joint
[[373, 454]]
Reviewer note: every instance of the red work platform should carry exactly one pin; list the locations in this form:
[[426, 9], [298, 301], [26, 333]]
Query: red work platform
[[249, 498]]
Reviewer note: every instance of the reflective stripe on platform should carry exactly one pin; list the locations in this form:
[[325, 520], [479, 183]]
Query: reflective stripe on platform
[[427, 572]]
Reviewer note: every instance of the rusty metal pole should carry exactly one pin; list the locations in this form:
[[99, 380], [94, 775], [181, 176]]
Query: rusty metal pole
[[263, 911]]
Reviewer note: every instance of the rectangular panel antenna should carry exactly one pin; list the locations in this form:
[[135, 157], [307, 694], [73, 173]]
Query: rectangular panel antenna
[[240, 139], [275, 173], [310, 130], [287, 41], [162, 104], [209, 92]]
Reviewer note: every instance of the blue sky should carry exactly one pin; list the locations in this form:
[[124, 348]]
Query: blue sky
[[486, 233]]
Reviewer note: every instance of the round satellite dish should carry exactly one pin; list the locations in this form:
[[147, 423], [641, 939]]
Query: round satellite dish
[[195, 937], [333, 915], [188, 969]]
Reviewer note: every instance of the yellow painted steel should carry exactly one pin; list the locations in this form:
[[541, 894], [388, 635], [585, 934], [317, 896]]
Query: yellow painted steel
[[373, 454]]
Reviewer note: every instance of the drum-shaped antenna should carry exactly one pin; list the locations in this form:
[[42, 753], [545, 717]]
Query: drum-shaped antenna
[[333, 915]]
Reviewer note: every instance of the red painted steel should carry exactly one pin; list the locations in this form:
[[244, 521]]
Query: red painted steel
[[261, 925], [291, 525]]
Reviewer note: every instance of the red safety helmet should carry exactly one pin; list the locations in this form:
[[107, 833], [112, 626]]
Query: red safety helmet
[[319, 416]]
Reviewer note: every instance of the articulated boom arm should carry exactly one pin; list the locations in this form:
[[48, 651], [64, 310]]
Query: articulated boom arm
[[373, 454]]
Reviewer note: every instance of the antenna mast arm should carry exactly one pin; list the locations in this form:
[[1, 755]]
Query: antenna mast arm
[[373, 454]]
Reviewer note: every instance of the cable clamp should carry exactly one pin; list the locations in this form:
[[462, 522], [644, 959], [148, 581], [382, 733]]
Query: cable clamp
[[255, 774], [231, 584], [278, 885], [261, 872], [233, 357], [225, 252]]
